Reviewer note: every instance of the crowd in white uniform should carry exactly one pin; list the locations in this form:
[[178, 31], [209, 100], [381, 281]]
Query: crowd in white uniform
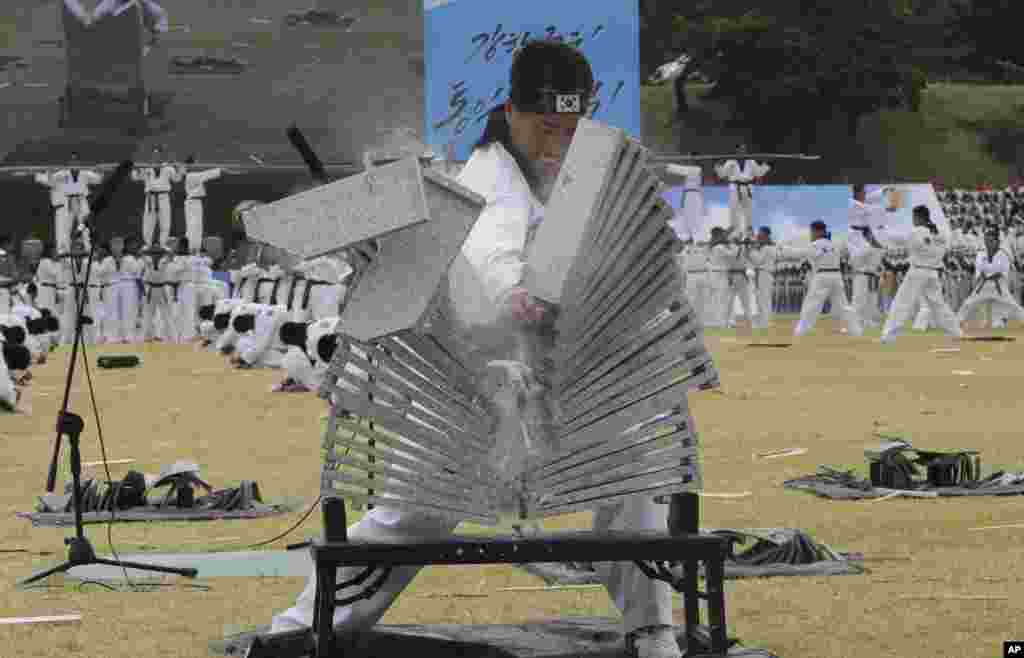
[[728, 278]]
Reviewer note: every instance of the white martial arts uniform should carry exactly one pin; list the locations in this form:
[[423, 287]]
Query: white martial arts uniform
[[188, 296], [321, 287], [69, 190], [741, 179], [264, 349], [495, 248], [865, 261], [228, 340], [826, 285], [47, 279], [154, 16], [694, 263], [991, 290], [74, 283], [245, 282], [692, 203], [99, 298], [123, 298], [209, 290], [307, 367], [921, 283], [195, 195], [729, 282], [208, 329], [272, 287], [157, 208], [157, 316], [8, 391], [764, 261]]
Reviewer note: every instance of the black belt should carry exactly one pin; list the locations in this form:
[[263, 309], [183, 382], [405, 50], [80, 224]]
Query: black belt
[[50, 285], [747, 188], [696, 271], [291, 292], [827, 270], [175, 286], [922, 267], [309, 288], [149, 289], [873, 280], [196, 198]]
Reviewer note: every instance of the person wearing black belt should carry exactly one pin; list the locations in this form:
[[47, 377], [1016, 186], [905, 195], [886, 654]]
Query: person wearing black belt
[[763, 256], [157, 180], [991, 284], [741, 173], [826, 282], [694, 262], [157, 320], [927, 249]]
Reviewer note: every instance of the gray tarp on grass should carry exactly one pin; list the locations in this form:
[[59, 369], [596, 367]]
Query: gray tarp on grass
[[771, 552], [846, 485]]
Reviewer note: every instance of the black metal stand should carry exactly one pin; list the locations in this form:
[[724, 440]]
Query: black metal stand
[[80, 551], [655, 553]]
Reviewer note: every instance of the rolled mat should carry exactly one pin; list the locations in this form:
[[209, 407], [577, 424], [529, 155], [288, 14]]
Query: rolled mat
[[118, 361]]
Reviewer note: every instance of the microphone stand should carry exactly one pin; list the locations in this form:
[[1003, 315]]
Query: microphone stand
[[80, 550]]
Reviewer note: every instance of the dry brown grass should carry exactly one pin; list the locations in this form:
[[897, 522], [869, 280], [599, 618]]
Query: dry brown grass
[[827, 394]]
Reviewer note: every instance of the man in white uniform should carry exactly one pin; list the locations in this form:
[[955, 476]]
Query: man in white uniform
[[927, 249], [157, 181], [763, 257], [73, 278], [741, 174], [694, 263], [865, 259], [321, 286], [123, 294], [13, 359], [728, 274], [195, 195], [991, 284], [69, 190], [157, 315], [514, 201], [826, 282], [311, 348]]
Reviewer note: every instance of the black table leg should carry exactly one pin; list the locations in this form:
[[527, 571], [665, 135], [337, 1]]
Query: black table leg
[[715, 571], [691, 603], [326, 575]]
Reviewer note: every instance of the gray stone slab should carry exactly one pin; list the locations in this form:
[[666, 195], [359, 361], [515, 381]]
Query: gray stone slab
[[561, 638], [397, 291], [581, 184], [331, 217]]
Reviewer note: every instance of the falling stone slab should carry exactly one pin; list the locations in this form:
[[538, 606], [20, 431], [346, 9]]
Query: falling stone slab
[[573, 637], [329, 218]]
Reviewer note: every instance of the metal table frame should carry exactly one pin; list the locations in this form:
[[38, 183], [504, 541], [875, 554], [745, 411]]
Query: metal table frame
[[653, 552]]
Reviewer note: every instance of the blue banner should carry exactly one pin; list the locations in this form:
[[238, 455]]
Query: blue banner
[[469, 47]]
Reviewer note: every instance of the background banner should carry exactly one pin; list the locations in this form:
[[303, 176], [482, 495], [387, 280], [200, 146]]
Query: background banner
[[469, 46], [790, 209]]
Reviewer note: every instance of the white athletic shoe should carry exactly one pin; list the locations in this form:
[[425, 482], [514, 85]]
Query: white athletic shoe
[[658, 642]]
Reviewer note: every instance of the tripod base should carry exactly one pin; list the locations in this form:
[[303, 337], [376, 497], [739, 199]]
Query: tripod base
[[81, 553]]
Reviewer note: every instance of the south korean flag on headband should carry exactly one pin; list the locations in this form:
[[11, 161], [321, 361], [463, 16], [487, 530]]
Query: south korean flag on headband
[[568, 103]]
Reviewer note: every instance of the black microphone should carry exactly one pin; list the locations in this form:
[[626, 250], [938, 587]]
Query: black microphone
[[298, 140], [109, 187]]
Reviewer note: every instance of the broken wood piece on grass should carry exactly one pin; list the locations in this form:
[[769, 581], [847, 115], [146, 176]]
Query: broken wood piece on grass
[[952, 597], [454, 595], [553, 588], [109, 462], [708, 494], [789, 452], [52, 619], [945, 350], [996, 527]]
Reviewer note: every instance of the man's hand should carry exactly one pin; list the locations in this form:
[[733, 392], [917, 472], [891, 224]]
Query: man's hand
[[521, 306]]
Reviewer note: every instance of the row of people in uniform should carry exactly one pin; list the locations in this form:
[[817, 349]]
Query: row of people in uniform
[[153, 294], [720, 274]]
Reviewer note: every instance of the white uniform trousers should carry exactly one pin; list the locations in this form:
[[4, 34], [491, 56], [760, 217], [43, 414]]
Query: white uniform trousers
[[69, 318], [1003, 305], [764, 292], [62, 224], [157, 211], [194, 222], [698, 292], [643, 602], [865, 299], [730, 287], [157, 321], [98, 305], [122, 311], [920, 286], [187, 311], [827, 286]]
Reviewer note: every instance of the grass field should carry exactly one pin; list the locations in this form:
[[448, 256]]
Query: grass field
[[965, 135], [935, 587]]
